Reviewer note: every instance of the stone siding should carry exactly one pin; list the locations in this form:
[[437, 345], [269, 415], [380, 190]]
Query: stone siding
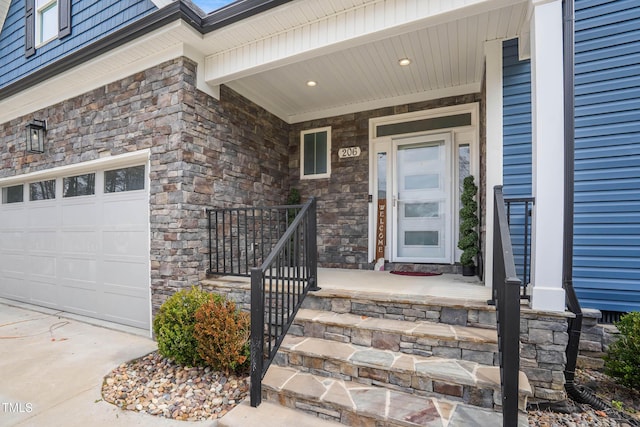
[[343, 198], [595, 339]]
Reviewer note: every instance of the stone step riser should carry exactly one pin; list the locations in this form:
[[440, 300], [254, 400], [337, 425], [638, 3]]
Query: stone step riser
[[480, 352], [364, 405], [412, 383], [475, 316]]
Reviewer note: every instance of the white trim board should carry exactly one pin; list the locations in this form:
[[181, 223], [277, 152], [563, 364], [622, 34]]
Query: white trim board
[[79, 168]]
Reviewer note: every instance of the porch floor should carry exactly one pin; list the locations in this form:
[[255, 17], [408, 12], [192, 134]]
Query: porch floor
[[445, 287]]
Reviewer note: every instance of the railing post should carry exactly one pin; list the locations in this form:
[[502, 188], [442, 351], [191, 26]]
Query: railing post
[[210, 241], [511, 351], [257, 336], [312, 246], [506, 296]]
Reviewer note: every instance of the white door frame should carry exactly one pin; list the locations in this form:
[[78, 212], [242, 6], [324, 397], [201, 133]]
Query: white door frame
[[467, 136]]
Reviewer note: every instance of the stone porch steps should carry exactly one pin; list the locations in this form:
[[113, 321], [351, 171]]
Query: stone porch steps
[[449, 311], [364, 405], [419, 337], [457, 380]]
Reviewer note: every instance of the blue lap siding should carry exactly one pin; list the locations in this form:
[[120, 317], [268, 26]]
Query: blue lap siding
[[516, 104], [607, 177], [90, 21]]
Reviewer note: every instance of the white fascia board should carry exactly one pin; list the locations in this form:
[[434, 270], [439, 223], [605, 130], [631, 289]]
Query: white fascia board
[[353, 27], [121, 160], [109, 67]]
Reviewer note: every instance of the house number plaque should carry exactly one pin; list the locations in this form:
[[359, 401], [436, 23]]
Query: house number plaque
[[347, 152]]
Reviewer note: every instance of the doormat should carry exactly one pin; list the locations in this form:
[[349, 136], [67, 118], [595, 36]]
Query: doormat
[[415, 273]]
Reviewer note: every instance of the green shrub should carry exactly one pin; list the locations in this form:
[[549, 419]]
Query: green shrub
[[622, 360], [174, 325], [223, 334], [468, 241]]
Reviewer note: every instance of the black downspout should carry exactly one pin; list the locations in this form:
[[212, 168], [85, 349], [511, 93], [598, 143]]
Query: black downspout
[[577, 393]]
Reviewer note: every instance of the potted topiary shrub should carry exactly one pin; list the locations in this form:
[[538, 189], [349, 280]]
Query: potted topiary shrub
[[468, 241]]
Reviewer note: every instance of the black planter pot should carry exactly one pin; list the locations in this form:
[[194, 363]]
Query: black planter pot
[[468, 270]]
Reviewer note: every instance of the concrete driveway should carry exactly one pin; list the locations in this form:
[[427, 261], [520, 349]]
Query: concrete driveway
[[52, 368]]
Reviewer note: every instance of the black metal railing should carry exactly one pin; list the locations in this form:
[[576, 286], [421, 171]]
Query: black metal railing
[[506, 296], [241, 238], [278, 288], [519, 220]]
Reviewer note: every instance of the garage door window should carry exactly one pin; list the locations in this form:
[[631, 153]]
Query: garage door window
[[80, 185], [126, 179], [42, 190], [13, 194]]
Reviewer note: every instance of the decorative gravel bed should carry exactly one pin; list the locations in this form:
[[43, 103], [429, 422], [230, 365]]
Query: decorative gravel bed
[[607, 390], [157, 386]]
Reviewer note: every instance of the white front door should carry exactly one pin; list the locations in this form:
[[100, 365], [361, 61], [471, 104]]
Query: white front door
[[421, 205]]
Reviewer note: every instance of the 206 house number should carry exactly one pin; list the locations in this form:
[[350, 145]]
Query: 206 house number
[[347, 152]]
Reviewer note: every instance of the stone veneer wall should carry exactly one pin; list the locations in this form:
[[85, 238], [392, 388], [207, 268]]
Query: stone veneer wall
[[543, 341], [204, 153], [233, 153], [343, 198]]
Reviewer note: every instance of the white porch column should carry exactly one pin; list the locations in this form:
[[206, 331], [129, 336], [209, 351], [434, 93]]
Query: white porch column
[[493, 56], [548, 155]]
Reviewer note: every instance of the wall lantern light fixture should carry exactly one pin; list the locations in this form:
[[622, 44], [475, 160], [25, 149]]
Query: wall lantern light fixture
[[36, 131]]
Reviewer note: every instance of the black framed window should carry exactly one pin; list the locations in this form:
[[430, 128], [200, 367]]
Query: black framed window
[[126, 179], [42, 190], [13, 194], [79, 185]]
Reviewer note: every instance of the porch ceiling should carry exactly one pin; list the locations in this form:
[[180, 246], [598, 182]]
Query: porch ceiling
[[357, 69]]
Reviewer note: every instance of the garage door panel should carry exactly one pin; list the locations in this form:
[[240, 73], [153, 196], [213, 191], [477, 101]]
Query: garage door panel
[[42, 240], [12, 241], [80, 241], [13, 264], [80, 213], [13, 219], [78, 269], [44, 292], [131, 311], [42, 214], [42, 266], [14, 287], [75, 297], [117, 212], [127, 277], [124, 243]]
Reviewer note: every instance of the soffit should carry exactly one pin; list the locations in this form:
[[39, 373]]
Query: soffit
[[353, 53]]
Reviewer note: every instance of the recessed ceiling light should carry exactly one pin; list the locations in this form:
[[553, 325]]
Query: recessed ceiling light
[[404, 62], [312, 83]]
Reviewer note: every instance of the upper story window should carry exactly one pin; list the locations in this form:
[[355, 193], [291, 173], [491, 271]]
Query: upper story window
[[315, 153], [45, 20]]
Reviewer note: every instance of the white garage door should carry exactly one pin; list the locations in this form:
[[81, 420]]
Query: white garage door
[[79, 242]]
